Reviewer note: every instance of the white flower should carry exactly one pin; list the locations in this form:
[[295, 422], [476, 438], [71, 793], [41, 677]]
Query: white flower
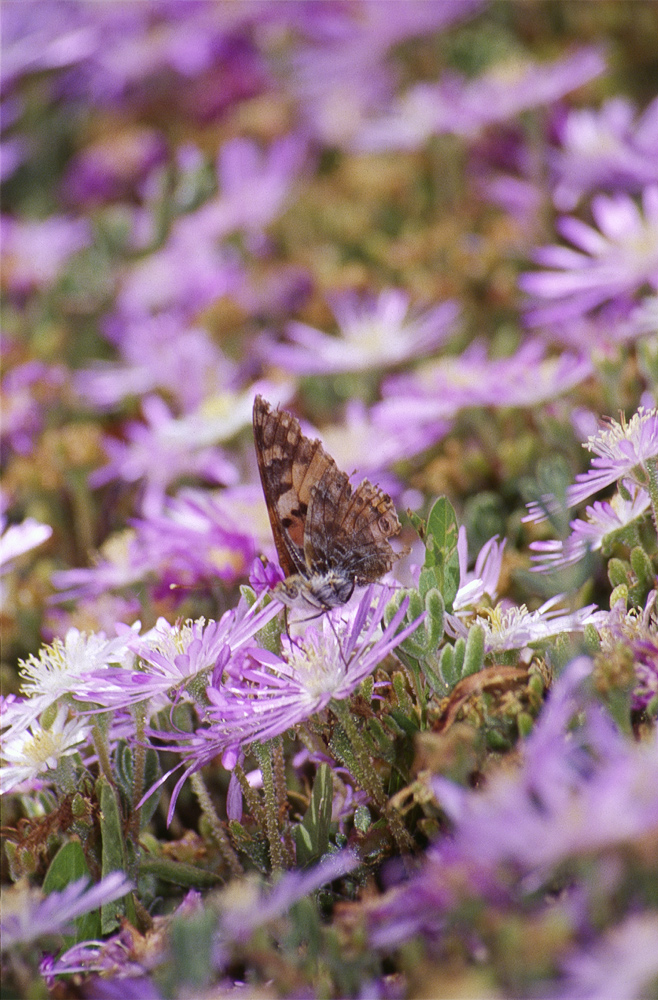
[[37, 750]]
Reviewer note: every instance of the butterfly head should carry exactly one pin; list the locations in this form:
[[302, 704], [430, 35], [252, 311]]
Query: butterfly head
[[318, 592]]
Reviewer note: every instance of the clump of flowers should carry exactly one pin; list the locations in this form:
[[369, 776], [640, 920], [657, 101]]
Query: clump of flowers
[[429, 230]]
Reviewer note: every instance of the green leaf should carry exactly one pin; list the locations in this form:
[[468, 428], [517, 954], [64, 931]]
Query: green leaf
[[441, 549], [474, 651], [312, 834], [178, 872], [113, 854], [69, 865]]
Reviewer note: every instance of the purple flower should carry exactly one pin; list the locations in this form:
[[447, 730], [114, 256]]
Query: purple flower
[[159, 353], [341, 74], [185, 276], [159, 452], [372, 333], [196, 538], [35, 253], [483, 579], [580, 788], [462, 107], [622, 450], [614, 261], [635, 629], [173, 658], [606, 149], [111, 168], [27, 391], [603, 517], [360, 442], [27, 915], [44, 37], [441, 388], [622, 963], [254, 186], [260, 695]]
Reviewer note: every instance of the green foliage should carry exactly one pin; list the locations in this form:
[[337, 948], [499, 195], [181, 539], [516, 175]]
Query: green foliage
[[69, 865], [312, 834], [441, 567]]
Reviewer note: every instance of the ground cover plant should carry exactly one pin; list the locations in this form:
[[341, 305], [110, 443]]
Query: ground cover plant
[[429, 230]]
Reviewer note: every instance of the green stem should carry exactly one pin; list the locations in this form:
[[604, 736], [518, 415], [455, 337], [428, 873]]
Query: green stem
[[102, 752], [272, 828], [371, 781], [139, 770], [653, 490], [222, 841]]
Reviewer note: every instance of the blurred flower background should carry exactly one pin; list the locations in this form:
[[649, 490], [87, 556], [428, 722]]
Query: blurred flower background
[[429, 228]]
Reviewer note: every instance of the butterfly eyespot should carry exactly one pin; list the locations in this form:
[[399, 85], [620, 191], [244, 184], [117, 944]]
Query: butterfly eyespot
[[384, 523]]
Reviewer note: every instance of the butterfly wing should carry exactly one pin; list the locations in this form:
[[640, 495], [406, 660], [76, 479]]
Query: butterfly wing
[[350, 530], [290, 464]]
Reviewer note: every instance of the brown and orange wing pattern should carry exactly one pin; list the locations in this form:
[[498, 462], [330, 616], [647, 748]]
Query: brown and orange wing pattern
[[350, 530], [290, 465]]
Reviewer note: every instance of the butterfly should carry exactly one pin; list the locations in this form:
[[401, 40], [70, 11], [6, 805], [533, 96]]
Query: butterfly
[[329, 538]]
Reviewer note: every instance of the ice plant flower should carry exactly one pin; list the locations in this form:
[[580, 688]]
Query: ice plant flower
[[624, 449], [441, 388], [615, 261], [603, 518], [483, 579], [509, 626], [27, 915], [20, 538], [162, 450], [179, 660], [462, 107], [609, 148], [37, 751], [635, 630], [158, 353], [35, 253], [260, 694], [372, 333]]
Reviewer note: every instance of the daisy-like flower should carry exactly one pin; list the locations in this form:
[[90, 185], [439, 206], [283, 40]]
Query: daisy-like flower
[[35, 752], [483, 578], [637, 630], [610, 148], [262, 695], [159, 452], [20, 538], [35, 253], [614, 261], [357, 442], [603, 517], [509, 627], [622, 963], [67, 668], [375, 333], [441, 388], [28, 915], [159, 352], [622, 449], [463, 107], [178, 658]]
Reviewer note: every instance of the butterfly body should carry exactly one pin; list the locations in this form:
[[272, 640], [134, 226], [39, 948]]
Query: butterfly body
[[329, 537]]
